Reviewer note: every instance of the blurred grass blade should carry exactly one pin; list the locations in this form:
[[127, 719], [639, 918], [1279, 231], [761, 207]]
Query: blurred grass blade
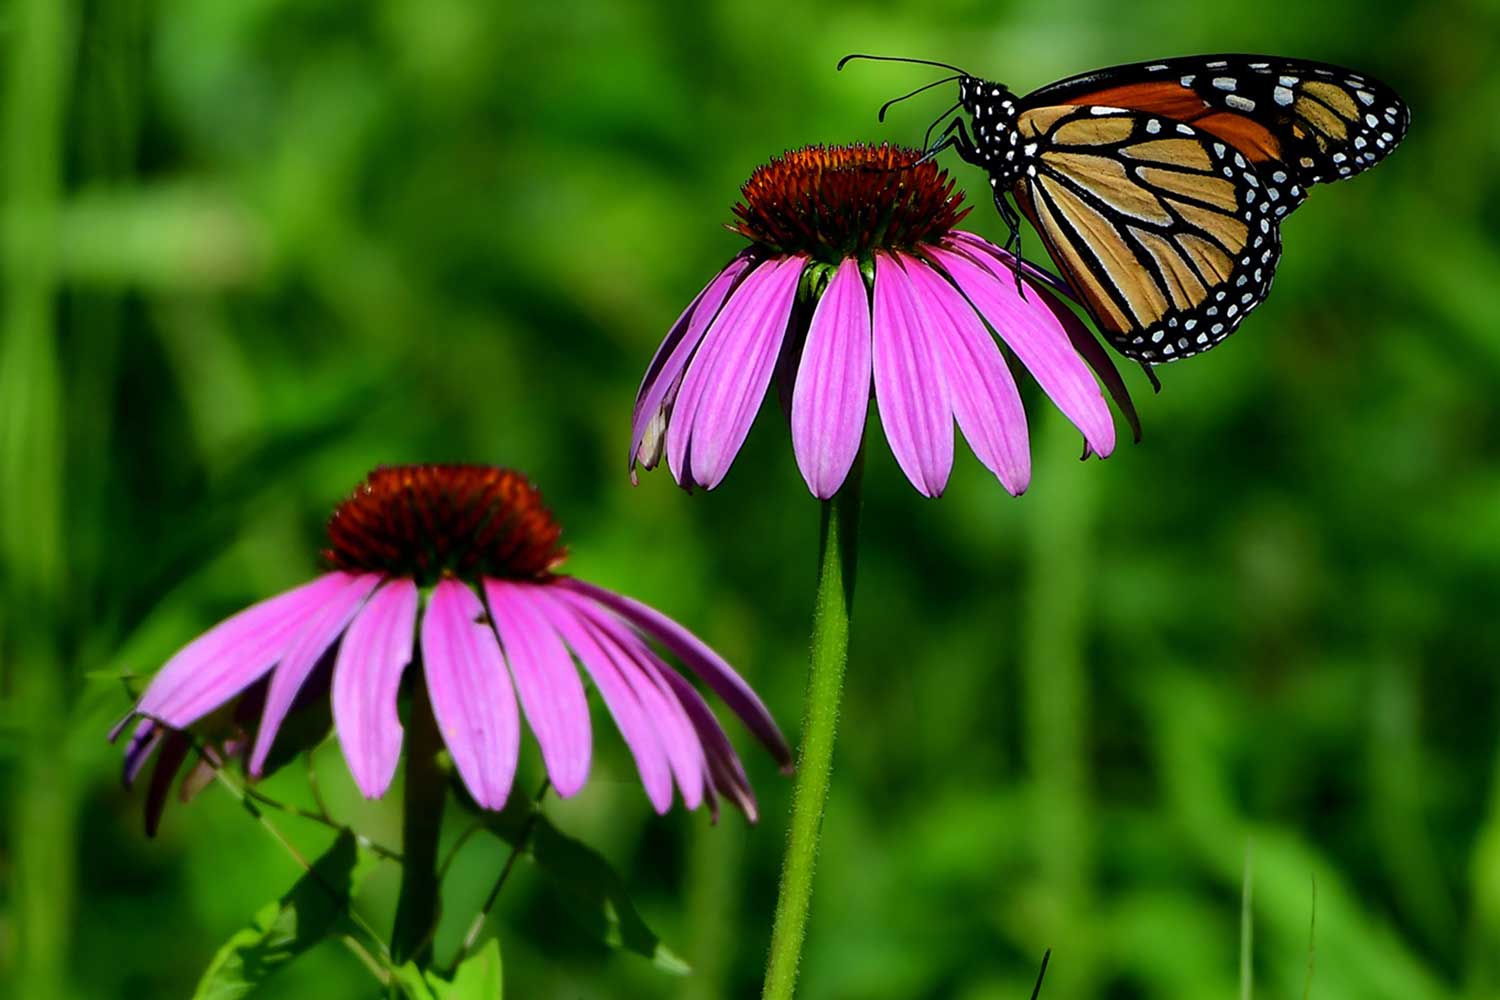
[[39, 36], [1312, 942], [1247, 925]]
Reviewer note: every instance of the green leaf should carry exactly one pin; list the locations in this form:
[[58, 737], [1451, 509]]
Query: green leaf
[[414, 984], [314, 907], [478, 978], [590, 889]]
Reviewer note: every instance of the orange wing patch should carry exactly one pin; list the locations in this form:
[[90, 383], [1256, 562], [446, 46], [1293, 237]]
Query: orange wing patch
[[1160, 97], [1172, 100], [1245, 134]]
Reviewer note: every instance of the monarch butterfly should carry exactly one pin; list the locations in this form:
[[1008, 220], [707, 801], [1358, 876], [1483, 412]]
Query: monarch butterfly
[[1159, 187]]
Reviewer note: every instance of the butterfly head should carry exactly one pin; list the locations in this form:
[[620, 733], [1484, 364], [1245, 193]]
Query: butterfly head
[[986, 102], [992, 110]]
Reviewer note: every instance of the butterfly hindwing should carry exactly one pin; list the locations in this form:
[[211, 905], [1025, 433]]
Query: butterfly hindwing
[[1167, 232], [1324, 121]]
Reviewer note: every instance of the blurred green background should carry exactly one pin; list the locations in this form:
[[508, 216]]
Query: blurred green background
[[254, 247]]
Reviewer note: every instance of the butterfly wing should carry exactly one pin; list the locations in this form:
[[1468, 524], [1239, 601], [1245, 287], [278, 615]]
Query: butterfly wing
[[1169, 234], [1323, 121]]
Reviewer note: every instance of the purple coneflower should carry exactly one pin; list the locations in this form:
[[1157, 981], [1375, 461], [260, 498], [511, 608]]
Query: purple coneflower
[[833, 230], [454, 566]]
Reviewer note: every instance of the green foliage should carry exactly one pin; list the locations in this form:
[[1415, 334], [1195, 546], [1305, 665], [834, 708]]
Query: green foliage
[[589, 888], [315, 907], [478, 978], [298, 239]]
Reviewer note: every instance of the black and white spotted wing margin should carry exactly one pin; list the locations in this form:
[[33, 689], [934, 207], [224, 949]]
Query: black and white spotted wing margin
[[1328, 122], [1168, 233]]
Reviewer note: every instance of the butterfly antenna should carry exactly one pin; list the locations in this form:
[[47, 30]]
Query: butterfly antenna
[[1037, 990], [901, 59], [897, 100]]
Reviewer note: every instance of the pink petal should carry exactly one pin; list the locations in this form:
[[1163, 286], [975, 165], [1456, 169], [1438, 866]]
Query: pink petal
[[175, 748], [985, 399], [698, 657], [1097, 358], [664, 374], [366, 680], [232, 655], [1035, 333], [143, 742], [636, 727], [637, 664], [726, 773], [910, 390], [325, 625], [728, 377], [546, 679], [999, 262], [832, 393], [472, 699]]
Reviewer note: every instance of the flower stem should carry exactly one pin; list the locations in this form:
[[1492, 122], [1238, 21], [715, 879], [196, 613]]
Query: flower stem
[[421, 822], [830, 653]]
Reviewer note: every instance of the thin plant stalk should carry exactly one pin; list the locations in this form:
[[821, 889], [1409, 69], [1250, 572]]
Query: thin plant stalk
[[1247, 926], [426, 790], [830, 654]]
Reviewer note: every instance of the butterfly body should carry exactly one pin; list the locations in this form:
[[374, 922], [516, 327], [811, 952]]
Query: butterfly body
[[1159, 188]]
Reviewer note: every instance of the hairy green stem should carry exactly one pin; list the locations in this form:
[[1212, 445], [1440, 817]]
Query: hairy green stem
[[421, 822], [830, 653]]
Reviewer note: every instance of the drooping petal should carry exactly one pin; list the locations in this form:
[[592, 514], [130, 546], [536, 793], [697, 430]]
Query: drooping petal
[[471, 693], [726, 773], [985, 399], [320, 632], [832, 393], [637, 664], [551, 692], [174, 751], [1034, 332], [698, 657], [727, 378], [143, 742], [636, 727], [366, 680], [1000, 263], [664, 374], [910, 390], [232, 655]]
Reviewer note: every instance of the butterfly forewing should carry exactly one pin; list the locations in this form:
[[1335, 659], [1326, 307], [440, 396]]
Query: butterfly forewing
[[1168, 233], [1324, 122]]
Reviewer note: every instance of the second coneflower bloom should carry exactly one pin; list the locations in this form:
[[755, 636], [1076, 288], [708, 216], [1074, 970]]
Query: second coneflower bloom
[[451, 571], [857, 278]]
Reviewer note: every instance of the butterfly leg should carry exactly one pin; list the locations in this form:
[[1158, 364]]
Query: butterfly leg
[[954, 136], [1012, 222]]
